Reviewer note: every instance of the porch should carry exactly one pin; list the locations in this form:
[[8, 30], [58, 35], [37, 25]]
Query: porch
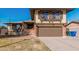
[[20, 28]]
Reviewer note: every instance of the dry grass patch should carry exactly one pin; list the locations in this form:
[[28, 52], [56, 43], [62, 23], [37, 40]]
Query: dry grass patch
[[22, 45]]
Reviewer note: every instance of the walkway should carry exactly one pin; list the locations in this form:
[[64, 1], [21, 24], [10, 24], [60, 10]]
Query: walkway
[[60, 43]]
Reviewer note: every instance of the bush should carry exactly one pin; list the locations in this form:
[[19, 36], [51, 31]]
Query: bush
[[67, 32]]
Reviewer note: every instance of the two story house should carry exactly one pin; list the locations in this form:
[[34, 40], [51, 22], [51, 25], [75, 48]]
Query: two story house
[[46, 22], [50, 22]]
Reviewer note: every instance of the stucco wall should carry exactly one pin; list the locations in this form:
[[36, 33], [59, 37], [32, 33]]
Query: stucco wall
[[64, 16], [74, 27], [3, 31], [64, 30], [33, 31]]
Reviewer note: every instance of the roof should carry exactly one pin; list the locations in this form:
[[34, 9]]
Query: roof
[[68, 9], [13, 23], [31, 21], [76, 22], [19, 22]]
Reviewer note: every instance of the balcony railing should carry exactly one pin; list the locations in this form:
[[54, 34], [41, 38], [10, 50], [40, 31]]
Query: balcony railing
[[47, 16]]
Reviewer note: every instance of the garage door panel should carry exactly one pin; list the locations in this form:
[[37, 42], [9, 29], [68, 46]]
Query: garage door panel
[[50, 32]]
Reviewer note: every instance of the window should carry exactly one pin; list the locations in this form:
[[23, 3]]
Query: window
[[18, 28], [30, 26], [25, 26], [56, 16], [14, 28], [43, 16], [50, 15]]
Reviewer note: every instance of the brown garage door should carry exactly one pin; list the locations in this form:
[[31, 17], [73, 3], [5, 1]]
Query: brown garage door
[[49, 31]]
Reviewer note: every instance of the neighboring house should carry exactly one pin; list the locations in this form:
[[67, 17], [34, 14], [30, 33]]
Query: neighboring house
[[20, 28], [3, 31], [46, 22], [74, 26]]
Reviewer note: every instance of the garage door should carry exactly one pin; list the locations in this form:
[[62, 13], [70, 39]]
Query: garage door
[[49, 31]]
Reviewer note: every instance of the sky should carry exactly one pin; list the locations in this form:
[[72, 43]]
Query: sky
[[73, 15], [23, 14], [14, 15]]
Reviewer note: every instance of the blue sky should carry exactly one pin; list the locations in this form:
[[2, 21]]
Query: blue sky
[[73, 15], [14, 15], [23, 14]]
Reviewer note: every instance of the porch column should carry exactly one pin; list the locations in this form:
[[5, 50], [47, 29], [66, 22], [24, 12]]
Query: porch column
[[35, 30], [9, 29], [64, 16], [64, 30]]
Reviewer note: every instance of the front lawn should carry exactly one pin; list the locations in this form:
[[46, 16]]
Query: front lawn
[[22, 45]]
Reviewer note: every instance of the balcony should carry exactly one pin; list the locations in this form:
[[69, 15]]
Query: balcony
[[52, 17]]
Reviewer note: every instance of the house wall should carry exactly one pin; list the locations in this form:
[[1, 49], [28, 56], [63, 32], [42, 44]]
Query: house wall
[[64, 16], [37, 20], [33, 31], [3, 31], [64, 30], [9, 29], [74, 27]]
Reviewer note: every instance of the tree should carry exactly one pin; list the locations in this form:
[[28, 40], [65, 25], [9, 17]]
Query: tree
[[3, 27]]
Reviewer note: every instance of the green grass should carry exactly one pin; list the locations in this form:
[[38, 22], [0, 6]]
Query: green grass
[[22, 45]]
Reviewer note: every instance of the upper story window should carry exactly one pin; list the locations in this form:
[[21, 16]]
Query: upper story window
[[50, 16], [56, 16], [43, 16]]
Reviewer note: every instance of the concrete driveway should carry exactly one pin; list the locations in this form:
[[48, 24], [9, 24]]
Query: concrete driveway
[[61, 44]]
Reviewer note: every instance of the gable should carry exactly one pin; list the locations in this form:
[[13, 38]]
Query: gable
[[73, 25]]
